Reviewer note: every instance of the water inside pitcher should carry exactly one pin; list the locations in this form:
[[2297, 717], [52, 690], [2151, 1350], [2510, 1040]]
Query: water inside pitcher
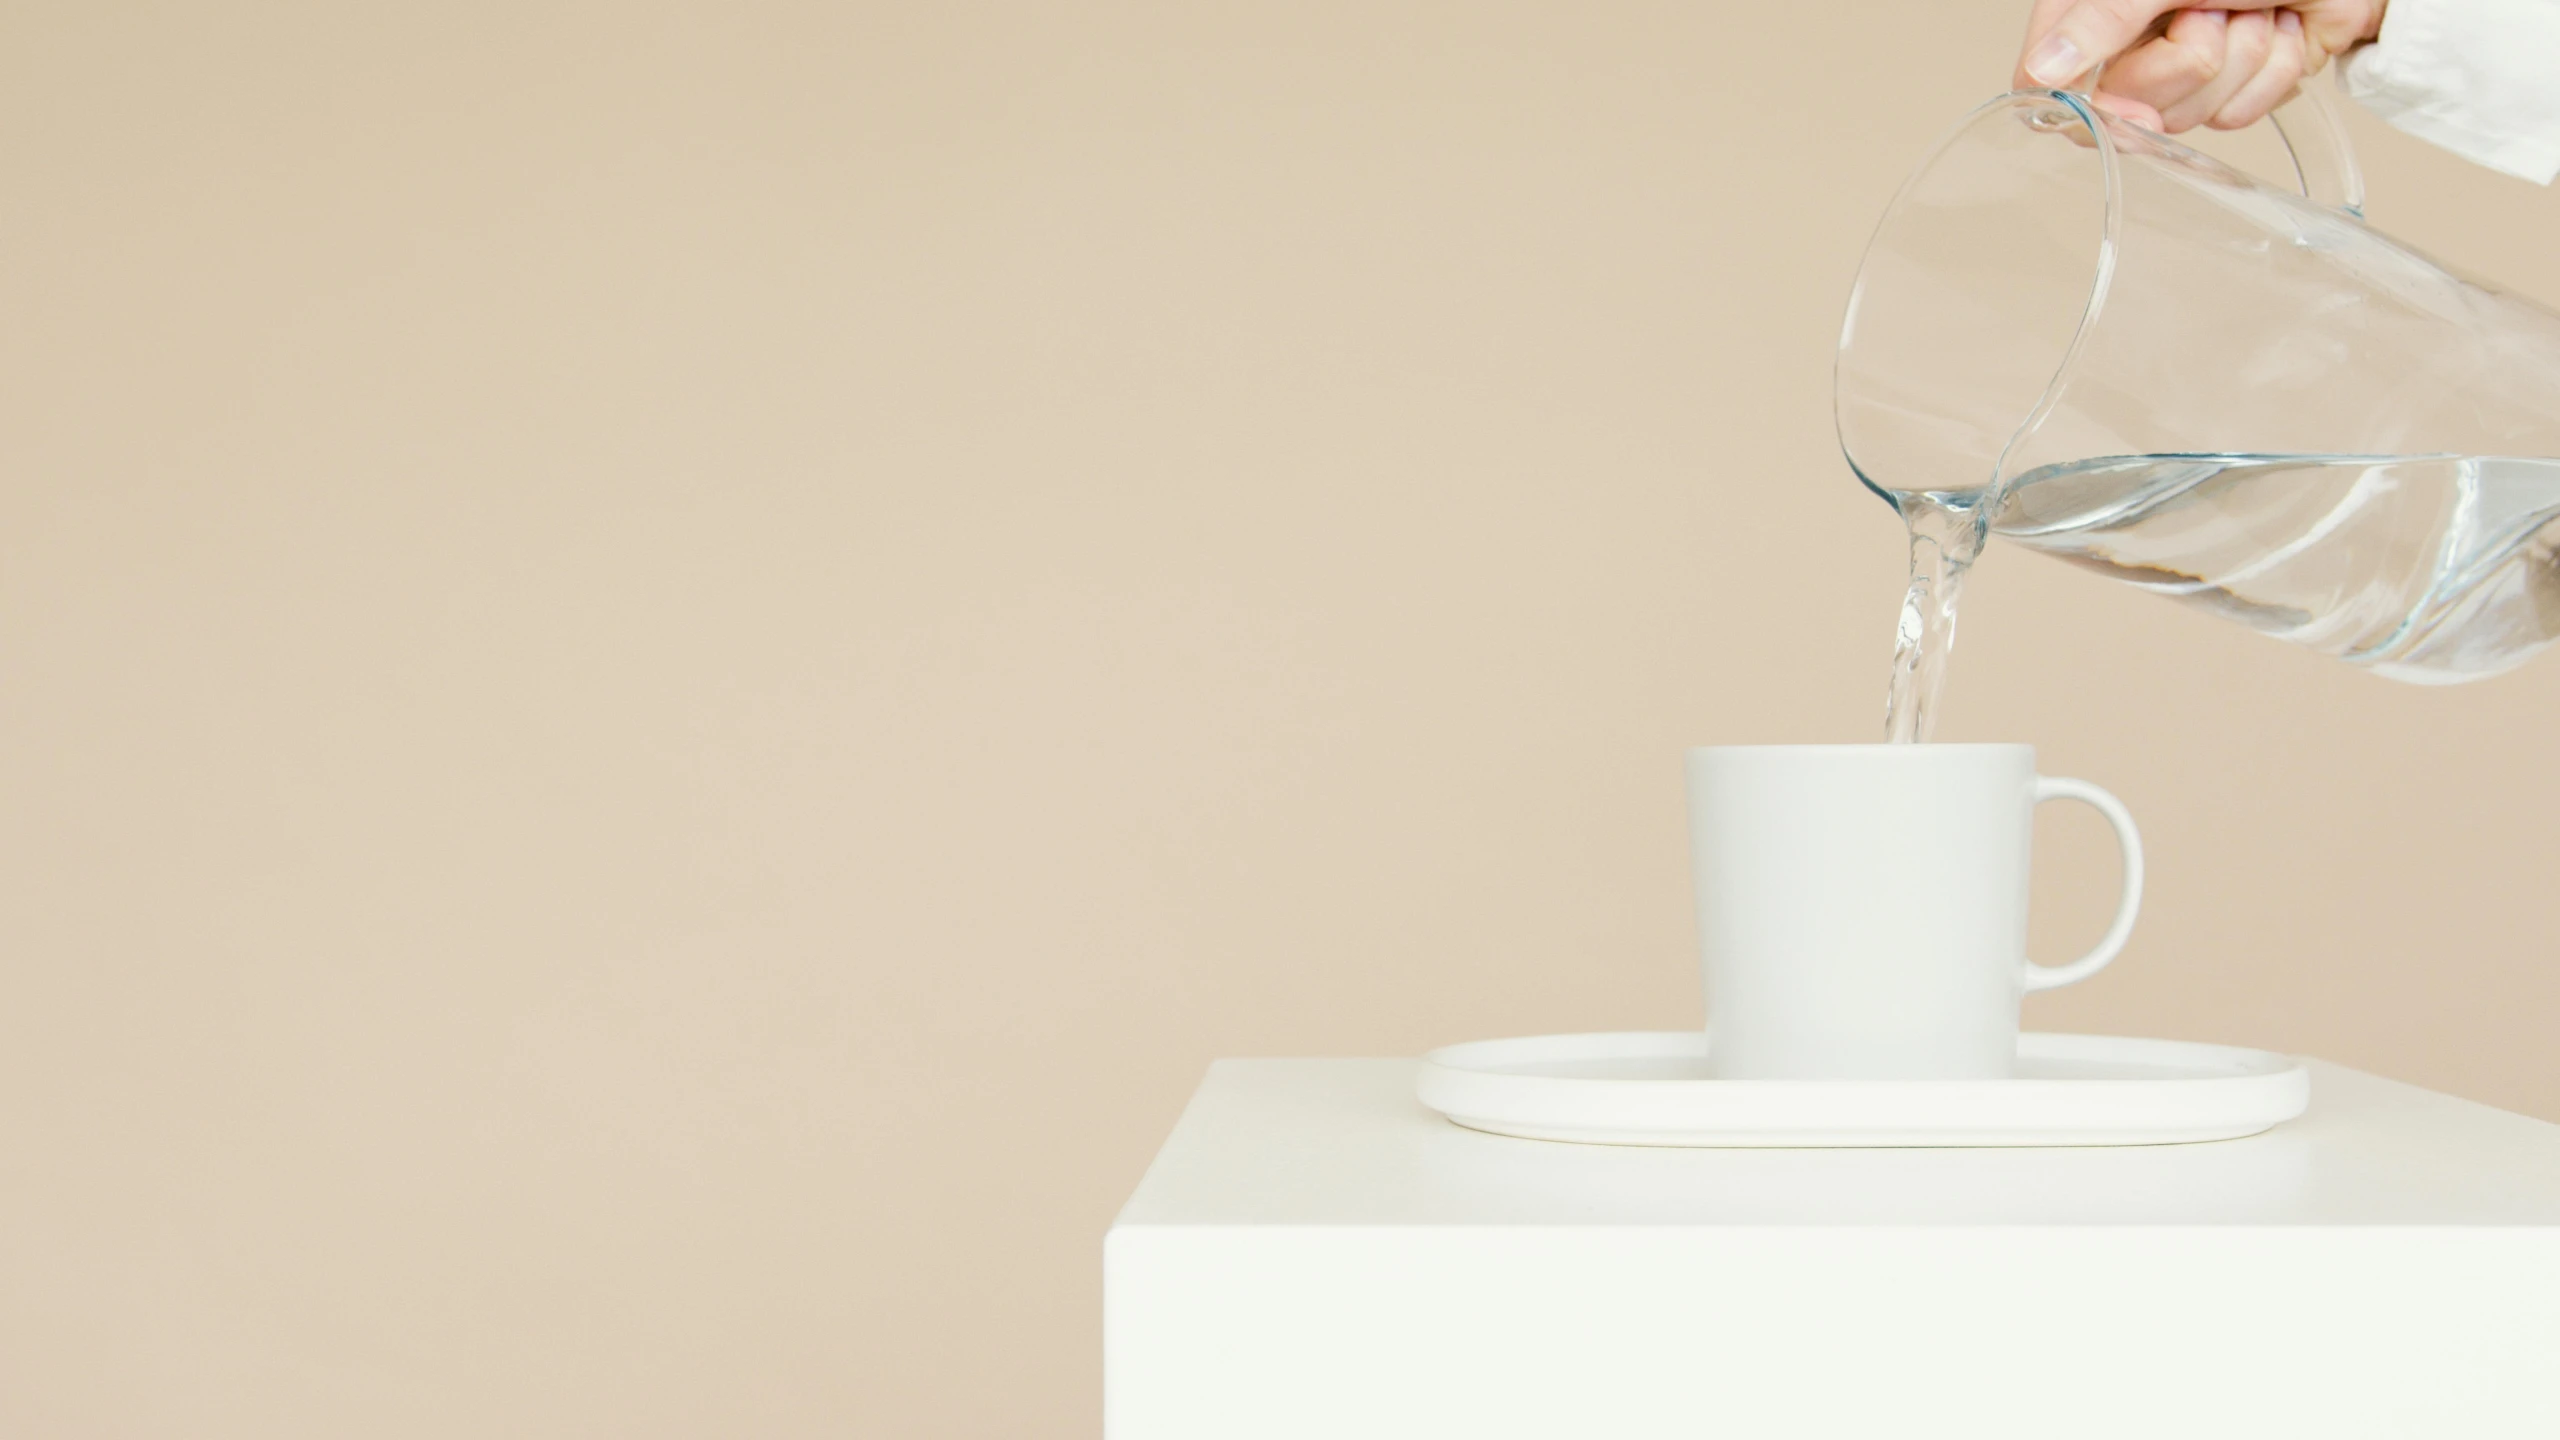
[[2099, 343]]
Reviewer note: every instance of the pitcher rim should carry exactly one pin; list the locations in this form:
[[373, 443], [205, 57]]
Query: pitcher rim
[[2101, 279]]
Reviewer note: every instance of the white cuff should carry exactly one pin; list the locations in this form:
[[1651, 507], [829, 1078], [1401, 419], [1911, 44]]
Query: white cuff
[[2479, 77]]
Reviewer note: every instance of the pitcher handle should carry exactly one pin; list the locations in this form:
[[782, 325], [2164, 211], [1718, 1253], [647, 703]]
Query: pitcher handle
[[2324, 164]]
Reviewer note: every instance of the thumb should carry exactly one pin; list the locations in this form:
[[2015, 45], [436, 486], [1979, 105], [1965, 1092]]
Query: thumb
[[2089, 34]]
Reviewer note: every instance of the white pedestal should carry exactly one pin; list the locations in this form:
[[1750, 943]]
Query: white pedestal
[[1313, 1255]]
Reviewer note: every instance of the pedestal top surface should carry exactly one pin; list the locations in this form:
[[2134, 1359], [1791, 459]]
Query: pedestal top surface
[[1344, 1142]]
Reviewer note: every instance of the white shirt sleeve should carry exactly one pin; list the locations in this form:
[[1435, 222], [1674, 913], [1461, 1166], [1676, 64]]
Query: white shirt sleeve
[[2479, 77]]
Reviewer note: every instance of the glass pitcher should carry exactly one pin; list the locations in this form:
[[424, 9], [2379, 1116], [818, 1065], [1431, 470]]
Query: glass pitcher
[[2100, 343]]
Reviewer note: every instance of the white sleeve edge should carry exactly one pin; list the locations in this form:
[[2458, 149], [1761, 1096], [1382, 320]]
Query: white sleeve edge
[[2470, 76]]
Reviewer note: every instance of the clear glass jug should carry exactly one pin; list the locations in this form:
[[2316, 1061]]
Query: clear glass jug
[[2097, 342]]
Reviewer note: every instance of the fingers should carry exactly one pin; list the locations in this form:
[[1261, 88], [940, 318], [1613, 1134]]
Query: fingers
[[2333, 27], [2244, 42], [2224, 68], [2083, 35], [2131, 110], [2040, 19], [2171, 69], [2175, 69], [2287, 60]]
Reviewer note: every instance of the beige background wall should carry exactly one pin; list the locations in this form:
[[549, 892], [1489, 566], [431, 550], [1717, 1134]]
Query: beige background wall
[[666, 672]]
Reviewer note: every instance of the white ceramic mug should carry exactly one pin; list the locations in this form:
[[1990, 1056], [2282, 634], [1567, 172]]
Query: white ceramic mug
[[1862, 909]]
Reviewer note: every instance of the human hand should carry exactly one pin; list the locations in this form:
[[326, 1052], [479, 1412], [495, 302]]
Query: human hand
[[2169, 69]]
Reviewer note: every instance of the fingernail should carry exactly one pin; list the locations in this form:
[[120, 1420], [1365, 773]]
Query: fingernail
[[2055, 62]]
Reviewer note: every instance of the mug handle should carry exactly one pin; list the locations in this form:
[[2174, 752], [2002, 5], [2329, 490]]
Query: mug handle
[[2129, 841]]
